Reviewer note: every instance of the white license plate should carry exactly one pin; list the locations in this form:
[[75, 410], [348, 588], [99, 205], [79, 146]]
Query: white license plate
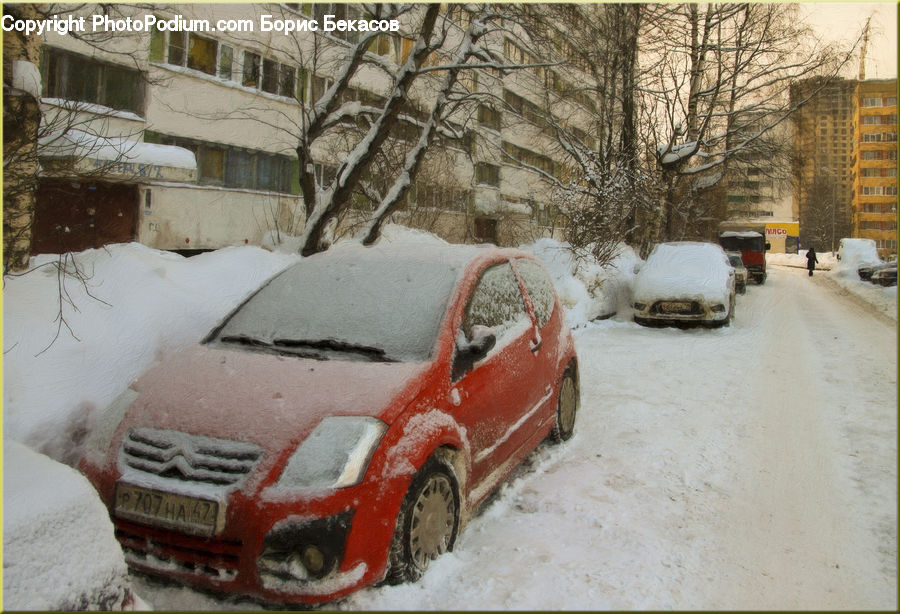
[[167, 510]]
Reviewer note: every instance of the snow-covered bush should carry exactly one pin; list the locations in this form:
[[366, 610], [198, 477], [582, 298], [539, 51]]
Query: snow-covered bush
[[59, 550], [586, 289], [135, 305]]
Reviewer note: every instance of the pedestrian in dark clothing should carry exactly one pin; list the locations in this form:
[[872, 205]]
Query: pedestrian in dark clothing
[[811, 260]]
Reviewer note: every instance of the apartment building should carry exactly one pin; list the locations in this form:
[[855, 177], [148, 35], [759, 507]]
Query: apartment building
[[823, 184], [758, 185], [874, 163], [182, 139]]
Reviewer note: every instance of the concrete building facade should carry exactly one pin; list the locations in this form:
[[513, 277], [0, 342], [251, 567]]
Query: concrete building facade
[[182, 140]]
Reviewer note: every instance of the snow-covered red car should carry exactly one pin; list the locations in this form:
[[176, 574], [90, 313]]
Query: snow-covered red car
[[685, 282], [340, 426]]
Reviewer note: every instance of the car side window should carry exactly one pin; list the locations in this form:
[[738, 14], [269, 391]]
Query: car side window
[[496, 301], [540, 288]]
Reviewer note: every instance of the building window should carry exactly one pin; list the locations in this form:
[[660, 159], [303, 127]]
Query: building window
[[287, 79], [269, 76], [233, 167], [73, 77], [485, 229], [487, 174], [177, 48], [211, 164], [489, 117], [226, 62], [530, 158], [252, 67]]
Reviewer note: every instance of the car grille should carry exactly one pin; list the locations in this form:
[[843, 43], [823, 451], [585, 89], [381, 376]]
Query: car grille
[[160, 550], [189, 458]]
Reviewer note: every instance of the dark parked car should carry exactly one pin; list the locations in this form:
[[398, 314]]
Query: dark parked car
[[886, 275], [866, 271], [341, 426]]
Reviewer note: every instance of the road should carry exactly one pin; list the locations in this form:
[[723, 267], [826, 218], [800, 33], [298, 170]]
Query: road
[[751, 467]]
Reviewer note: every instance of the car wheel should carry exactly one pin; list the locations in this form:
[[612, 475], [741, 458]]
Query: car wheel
[[427, 523], [566, 407]]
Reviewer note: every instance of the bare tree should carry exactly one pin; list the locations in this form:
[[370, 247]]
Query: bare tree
[[715, 72]]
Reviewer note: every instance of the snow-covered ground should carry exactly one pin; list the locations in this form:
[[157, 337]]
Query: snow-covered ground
[[750, 467]]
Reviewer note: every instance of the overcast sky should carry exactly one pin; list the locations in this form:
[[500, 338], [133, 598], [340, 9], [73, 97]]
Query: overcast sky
[[843, 21]]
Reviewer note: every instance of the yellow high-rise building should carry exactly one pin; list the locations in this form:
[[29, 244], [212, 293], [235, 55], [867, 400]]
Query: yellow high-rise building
[[874, 163]]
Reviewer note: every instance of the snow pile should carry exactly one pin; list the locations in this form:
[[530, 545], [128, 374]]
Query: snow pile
[[685, 270], [853, 254], [135, 305], [586, 289], [54, 522]]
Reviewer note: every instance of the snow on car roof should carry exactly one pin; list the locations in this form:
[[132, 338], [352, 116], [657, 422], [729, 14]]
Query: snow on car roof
[[685, 270]]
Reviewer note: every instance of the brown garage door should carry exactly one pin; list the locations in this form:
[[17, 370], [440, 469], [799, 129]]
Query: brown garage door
[[75, 215]]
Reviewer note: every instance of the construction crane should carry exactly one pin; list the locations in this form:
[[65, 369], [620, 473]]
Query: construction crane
[[862, 51]]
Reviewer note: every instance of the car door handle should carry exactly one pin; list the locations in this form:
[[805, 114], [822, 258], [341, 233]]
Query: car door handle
[[536, 344]]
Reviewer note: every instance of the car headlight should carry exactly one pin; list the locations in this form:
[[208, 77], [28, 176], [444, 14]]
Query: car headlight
[[108, 421], [335, 455], [719, 308], [640, 306]]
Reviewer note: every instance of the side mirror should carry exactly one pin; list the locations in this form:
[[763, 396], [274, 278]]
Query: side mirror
[[768, 245], [470, 351]]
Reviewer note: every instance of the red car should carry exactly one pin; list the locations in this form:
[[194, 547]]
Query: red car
[[340, 426]]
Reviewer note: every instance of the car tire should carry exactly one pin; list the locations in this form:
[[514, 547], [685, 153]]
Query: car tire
[[427, 523], [566, 406]]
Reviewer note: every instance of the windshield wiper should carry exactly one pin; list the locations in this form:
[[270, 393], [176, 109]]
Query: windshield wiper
[[375, 353], [281, 348], [245, 340]]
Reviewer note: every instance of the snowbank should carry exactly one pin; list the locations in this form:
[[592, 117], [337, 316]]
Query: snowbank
[[135, 305], [587, 290], [59, 552]]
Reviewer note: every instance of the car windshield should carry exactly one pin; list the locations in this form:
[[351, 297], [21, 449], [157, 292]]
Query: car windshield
[[374, 308]]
